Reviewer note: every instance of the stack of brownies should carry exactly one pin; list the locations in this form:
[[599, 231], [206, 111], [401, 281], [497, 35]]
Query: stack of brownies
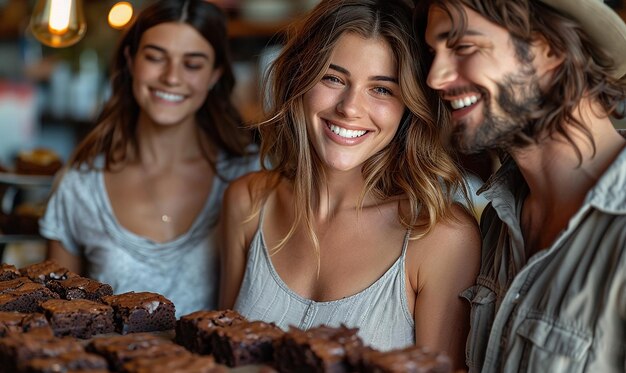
[[53, 320]]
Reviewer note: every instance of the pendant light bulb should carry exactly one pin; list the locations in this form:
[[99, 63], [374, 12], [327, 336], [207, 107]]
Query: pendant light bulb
[[58, 23]]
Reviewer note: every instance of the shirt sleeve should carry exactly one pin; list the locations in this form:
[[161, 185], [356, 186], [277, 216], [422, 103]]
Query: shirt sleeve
[[57, 220]]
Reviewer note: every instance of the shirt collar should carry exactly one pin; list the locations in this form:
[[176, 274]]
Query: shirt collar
[[609, 193]]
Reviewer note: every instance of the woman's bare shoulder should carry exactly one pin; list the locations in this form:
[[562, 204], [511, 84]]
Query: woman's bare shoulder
[[452, 245], [245, 192]]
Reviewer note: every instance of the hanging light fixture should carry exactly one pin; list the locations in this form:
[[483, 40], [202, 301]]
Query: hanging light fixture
[[58, 23]]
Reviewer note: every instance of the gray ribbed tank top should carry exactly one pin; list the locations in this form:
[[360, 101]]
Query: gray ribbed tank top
[[380, 311]]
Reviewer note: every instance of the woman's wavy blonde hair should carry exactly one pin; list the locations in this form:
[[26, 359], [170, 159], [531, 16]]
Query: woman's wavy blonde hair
[[415, 164]]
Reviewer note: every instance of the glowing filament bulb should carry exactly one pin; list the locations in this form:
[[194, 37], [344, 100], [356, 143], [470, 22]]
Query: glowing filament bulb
[[60, 11], [58, 23]]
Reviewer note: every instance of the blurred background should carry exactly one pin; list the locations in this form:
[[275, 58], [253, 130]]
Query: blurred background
[[49, 97]]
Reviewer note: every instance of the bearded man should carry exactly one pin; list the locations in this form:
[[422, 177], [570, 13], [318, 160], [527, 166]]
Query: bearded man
[[537, 81]]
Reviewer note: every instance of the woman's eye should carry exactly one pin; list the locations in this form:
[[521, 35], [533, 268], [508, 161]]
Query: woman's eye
[[193, 65], [331, 79], [153, 58], [383, 91]]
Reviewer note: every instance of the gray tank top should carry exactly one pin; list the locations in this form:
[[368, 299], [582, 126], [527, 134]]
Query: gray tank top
[[380, 311]]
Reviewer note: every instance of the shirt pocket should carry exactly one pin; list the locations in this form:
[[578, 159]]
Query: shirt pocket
[[483, 302], [549, 347]]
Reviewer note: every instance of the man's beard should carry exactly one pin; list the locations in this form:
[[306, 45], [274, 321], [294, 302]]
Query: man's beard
[[519, 97]]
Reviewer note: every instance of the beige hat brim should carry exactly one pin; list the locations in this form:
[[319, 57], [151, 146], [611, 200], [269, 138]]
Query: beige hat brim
[[602, 24]]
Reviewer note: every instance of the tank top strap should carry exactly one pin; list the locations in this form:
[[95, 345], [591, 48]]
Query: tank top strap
[[405, 245]]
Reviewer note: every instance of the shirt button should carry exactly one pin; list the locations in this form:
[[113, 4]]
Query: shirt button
[[516, 298]]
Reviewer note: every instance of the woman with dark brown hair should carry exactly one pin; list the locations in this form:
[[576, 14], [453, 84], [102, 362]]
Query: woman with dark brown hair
[[139, 202]]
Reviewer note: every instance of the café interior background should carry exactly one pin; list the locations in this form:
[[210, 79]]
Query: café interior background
[[49, 97]]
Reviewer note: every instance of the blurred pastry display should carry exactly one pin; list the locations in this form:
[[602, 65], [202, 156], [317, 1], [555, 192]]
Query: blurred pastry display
[[23, 220], [38, 161]]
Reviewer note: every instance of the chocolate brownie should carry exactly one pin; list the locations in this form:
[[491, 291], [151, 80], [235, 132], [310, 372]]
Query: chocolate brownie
[[185, 362], [319, 349], [245, 343], [46, 271], [118, 350], [194, 330], [66, 362], [18, 322], [412, 359], [79, 287], [141, 312], [8, 272], [17, 349], [79, 318], [23, 295]]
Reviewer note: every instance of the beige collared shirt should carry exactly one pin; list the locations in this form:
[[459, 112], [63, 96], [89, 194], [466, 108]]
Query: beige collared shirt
[[563, 309]]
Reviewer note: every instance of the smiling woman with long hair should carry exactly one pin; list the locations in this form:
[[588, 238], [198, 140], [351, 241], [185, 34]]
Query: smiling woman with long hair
[[355, 222], [138, 206]]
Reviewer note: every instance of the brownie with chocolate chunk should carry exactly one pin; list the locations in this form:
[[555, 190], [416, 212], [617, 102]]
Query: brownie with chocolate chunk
[[319, 349], [245, 343], [194, 330], [8, 272], [23, 295], [185, 362], [141, 312], [19, 322], [18, 348], [45, 271], [120, 349], [412, 359], [66, 362], [80, 318], [79, 287]]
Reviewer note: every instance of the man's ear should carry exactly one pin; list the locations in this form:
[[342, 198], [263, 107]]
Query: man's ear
[[547, 59]]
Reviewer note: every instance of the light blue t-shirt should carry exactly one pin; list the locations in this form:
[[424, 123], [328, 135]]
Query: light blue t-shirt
[[184, 270]]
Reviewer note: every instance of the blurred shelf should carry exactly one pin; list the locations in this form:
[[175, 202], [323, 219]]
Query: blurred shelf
[[15, 238], [26, 180]]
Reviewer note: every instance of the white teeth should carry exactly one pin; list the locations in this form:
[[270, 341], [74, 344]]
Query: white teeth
[[350, 134], [168, 96], [463, 102]]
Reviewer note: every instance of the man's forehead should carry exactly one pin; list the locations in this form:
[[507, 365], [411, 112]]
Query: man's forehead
[[442, 22], [438, 25]]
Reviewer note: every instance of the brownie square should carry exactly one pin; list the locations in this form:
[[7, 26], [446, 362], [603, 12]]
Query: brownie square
[[79, 318], [8, 272], [18, 322], [17, 349], [23, 295], [141, 312], [120, 349], [186, 362], [66, 362], [79, 287], [319, 349], [45, 271], [245, 343], [194, 330], [412, 359]]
